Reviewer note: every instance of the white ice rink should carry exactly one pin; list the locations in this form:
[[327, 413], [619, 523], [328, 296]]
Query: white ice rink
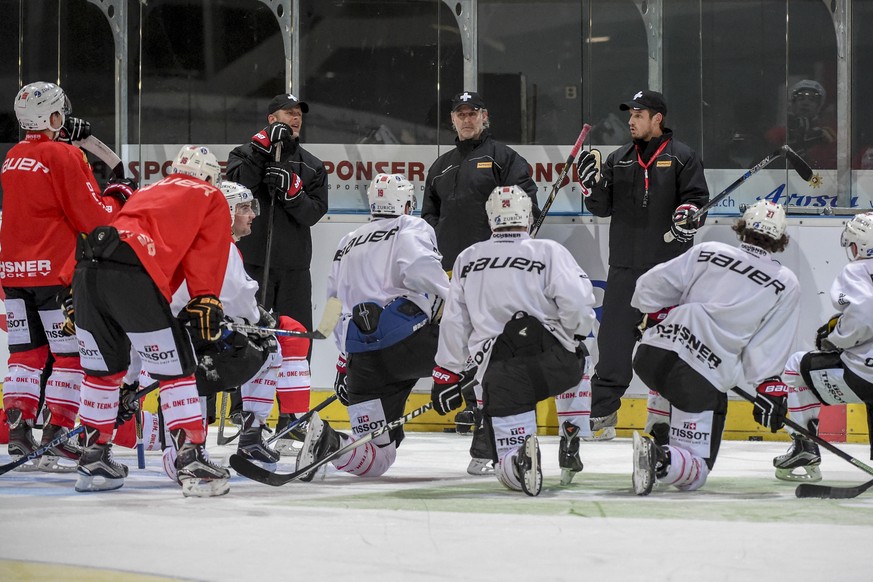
[[428, 520]]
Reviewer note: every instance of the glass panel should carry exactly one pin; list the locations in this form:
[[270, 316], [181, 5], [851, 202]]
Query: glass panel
[[861, 89], [9, 84]]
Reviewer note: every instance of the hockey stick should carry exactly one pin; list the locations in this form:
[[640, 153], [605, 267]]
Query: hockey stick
[[800, 166], [269, 247], [222, 440], [243, 328], [333, 309], [104, 152], [559, 182], [292, 425], [822, 491], [256, 473], [61, 438]]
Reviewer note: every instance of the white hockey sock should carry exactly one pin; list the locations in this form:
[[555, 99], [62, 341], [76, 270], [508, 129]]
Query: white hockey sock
[[687, 471], [574, 406], [658, 410], [803, 405], [259, 392]]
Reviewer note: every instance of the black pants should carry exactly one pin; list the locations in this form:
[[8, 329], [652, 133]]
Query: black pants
[[615, 342], [289, 292]]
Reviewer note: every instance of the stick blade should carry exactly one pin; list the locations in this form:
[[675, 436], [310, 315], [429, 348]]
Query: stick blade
[[814, 491], [254, 472], [799, 164], [333, 309]]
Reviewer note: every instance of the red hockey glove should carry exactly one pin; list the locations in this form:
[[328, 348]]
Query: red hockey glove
[[121, 189], [651, 320], [446, 392], [771, 403]]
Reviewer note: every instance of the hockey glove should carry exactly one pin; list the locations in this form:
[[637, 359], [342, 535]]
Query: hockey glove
[[771, 403], [589, 175], [204, 316], [128, 403], [822, 333], [651, 320], [683, 228], [283, 183], [120, 188], [446, 392], [264, 142], [74, 129], [339, 385], [65, 302]]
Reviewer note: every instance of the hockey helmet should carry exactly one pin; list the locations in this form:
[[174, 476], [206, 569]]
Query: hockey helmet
[[766, 218], [236, 194], [808, 86], [389, 193], [35, 104], [508, 206], [859, 232], [199, 162]]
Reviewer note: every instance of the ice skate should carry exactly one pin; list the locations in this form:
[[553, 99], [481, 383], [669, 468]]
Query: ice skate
[[61, 458], [801, 461], [568, 452], [650, 464], [252, 445], [290, 443], [97, 470], [527, 466], [198, 476], [660, 433], [321, 441], [603, 427], [465, 420], [21, 441], [480, 467]]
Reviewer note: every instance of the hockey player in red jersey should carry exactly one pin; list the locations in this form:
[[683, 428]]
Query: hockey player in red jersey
[[518, 308], [176, 229], [387, 275], [50, 195], [839, 370], [717, 316]]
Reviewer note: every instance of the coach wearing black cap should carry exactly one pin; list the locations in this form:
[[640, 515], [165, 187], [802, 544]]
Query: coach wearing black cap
[[647, 187], [455, 191], [296, 187]]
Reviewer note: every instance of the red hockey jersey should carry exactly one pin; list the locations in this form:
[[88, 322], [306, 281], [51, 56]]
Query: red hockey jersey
[[49, 195]]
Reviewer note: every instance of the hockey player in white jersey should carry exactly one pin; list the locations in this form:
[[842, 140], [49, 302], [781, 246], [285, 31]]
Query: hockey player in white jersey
[[387, 275], [518, 308], [840, 369], [723, 316]]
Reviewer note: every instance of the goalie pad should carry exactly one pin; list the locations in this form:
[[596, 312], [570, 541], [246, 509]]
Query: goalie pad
[[375, 328]]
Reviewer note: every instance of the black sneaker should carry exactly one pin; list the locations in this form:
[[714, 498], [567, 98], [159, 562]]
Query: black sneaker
[[568, 452], [251, 441], [98, 471], [321, 441]]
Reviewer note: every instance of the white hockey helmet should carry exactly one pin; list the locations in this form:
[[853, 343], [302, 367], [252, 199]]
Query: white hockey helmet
[[767, 218], [35, 104], [236, 194], [389, 193], [199, 162], [508, 206], [859, 232]]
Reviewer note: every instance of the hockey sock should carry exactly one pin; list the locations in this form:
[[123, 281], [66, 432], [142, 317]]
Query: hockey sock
[[62, 390], [99, 407], [574, 406]]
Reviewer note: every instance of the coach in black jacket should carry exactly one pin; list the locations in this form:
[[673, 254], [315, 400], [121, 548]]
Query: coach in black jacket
[[460, 181], [299, 184], [648, 187]]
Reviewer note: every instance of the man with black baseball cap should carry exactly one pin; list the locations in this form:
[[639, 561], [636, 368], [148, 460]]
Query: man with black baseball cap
[[648, 186], [455, 191], [291, 184]]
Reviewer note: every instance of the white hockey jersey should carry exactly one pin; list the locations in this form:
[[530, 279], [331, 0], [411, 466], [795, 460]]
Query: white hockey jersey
[[852, 295], [511, 272], [737, 311], [385, 259], [238, 292]]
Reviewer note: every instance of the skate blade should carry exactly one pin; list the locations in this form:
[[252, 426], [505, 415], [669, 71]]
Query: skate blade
[[809, 474], [532, 480], [32, 465], [194, 487], [288, 447], [479, 467], [644, 456], [52, 464], [92, 483], [567, 476], [604, 434]]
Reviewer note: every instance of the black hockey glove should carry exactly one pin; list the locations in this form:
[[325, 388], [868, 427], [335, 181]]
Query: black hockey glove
[[74, 129], [65, 302], [683, 228], [771, 403], [204, 316], [120, 188], [264, 142], [821, 334], [266, 318], [446, 392], [589, 175], [339, 385], [283, 183], [128, 403]]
